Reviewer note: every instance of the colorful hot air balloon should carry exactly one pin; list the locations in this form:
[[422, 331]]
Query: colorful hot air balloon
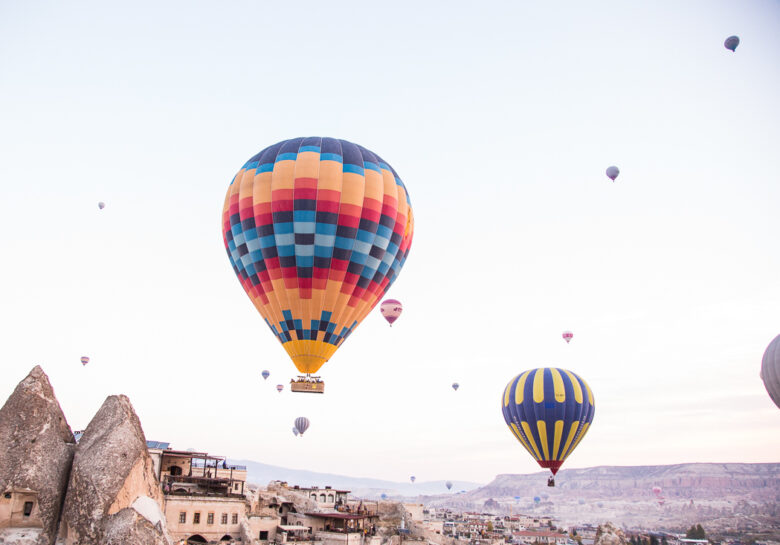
[[448, 484], [279, 388], [549, 410], [101, 205], [731, 43], [84, 360], [265, 374], [567, 336], [317, 230], [391, 309], [295, 431], [656, 490], [301, 424], [412, 478], [770, 370], [455, 386], [612, 172]]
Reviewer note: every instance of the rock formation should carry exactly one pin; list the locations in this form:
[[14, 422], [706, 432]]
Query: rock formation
[[608, 534], [113, 487], [36, 450]]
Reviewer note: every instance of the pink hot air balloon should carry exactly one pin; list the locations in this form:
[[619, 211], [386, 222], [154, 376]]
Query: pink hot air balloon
[[279, 388], [567, 336], [656, 490], [391, 309]]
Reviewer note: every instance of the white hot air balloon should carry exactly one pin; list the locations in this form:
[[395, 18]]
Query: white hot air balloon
[[301, 424], [101, 205], [770, 370], [613, 172]]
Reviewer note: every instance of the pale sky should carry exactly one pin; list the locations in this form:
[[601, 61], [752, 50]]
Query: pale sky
[[501, 118]]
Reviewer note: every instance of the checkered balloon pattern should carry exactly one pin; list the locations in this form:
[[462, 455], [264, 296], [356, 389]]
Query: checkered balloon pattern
[[317, 230]]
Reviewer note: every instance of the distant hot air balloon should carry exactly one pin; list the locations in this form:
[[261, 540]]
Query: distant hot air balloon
[[391, 309], [770, 370], [600, 505], [448, 484], [412, 478], [661, 500], [295, 431], [656, 490], [731, 43], [517, 498], [317, 230], [301, 424], [537, 499], [101, 205], [549, 410], [84, 360], [567, 336], [612, 172], [279, 388], [383, 496], [455, 386], [265, 374], [581, 501]]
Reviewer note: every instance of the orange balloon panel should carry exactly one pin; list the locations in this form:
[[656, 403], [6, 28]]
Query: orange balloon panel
[[317, 230]]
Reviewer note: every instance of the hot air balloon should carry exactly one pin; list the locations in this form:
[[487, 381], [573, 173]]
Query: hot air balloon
[[391, 309], [448, 484], [265, 374], [383, 496], [537, 499], [301, 424], [101, 205], [84, 360], [317, 230], [612, 172], [567, 336], [517, 498], [455, 386], [731, 43], [295, 431], [549, 410], [770, 370], [279, 388], [581, 501], [412, 478], [656, 490], [600, 505]]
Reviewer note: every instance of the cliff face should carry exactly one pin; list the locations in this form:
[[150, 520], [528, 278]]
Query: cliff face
[[113, 490], [36, 450]]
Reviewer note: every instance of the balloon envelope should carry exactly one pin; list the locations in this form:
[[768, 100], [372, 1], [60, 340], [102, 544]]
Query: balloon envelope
[[279, 388], [317, 230], [455, 386], [731, 43], [84, 360], [265, 374], [448, 484], [770, 370], [567, 336], [383, 496], [391, 309], [548, 410], [301, 424], [656, 490], [101, 205], [295, 431], [612, 172], [537, 499], [412, 478]]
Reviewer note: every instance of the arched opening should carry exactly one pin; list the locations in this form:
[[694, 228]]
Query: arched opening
[[226, 538], [322, 498], [330, 498], [175, 470], [314, 497], [197, 538]]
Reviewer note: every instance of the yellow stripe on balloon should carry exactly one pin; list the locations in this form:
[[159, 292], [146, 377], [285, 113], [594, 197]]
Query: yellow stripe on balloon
[[530, 437], [572, 432], [557, 438], [507, 391], [559, 390], [584, 431], [576, 385], [520, 388], [590, 394], [538, 385], [522, 440], [541, 425]]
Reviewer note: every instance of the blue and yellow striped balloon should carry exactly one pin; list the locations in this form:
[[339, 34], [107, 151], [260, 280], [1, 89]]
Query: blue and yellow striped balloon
[[549, 410]]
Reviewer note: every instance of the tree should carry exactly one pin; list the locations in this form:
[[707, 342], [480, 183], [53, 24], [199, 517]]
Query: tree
[[490, 526], [653, 540]]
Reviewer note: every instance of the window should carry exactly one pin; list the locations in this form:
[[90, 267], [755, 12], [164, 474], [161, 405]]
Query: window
[[182, 517], [224, 518], [330, 498], [314, 497], [322, 498], [196, 518], [28, 505], [8, 495], [210, 518], [234, 519], [264, 535]]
